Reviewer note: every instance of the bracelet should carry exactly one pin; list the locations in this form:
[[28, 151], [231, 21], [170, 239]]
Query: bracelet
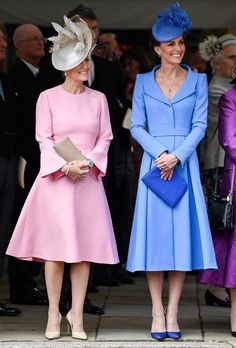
[[68, 168]]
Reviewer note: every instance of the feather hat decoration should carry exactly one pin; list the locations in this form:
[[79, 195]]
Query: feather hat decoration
[[73, 43], [207, 48], [171, 23], [212, 45]]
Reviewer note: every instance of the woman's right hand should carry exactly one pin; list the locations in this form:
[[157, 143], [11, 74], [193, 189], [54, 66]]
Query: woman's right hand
[[77, 170]]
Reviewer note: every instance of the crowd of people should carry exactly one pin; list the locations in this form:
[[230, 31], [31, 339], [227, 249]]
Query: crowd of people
[[81, 217]]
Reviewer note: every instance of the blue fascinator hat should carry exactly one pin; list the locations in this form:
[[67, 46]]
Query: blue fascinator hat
[[171, 23]]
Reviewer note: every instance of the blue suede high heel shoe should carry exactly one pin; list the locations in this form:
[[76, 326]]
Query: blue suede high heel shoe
[[174, 335], [159, 336]]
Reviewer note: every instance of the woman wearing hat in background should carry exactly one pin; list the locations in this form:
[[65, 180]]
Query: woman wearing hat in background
[[220, 52], [66, 216], [225, 241], [172, 101]]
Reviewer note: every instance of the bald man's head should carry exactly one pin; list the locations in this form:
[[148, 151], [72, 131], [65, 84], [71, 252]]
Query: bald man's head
[[29, 43]]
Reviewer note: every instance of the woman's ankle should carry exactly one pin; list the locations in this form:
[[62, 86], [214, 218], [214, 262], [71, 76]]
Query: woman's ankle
[[158, 322], [233, 320], [172, 320], [53, 311]]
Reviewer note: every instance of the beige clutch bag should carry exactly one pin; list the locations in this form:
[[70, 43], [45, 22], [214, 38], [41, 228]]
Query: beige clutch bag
[[68, 151]]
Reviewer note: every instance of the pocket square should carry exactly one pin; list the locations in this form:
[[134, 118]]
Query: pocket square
[[170, 191]]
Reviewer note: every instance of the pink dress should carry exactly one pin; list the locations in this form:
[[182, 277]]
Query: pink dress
[[62, 219]]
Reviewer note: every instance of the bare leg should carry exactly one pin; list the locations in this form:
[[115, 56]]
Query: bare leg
[[176, 282], [233, 309], [53, 276], [155, 283], [79, 273]]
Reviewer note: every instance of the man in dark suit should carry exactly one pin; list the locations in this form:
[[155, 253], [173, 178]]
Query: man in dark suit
[[8, 162], [25, 77]]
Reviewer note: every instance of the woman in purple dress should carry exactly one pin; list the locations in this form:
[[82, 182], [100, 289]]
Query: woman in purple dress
[[225, 242]]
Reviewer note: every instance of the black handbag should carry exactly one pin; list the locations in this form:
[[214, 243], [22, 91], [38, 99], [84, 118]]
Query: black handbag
[[220, 209]]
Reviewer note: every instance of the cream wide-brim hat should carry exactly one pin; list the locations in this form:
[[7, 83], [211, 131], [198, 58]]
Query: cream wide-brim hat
[[67, 53]]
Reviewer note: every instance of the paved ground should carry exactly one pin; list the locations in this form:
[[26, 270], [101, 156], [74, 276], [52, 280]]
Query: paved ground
[[126, 322]]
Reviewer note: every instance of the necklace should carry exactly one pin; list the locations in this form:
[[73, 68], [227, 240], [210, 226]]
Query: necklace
[[167, 88]]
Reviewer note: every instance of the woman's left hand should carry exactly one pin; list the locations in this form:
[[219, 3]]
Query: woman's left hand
[[167, 174], [166, 162]]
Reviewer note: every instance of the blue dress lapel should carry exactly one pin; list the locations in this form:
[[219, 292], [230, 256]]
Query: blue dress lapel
[[152, 89], [188, 87]]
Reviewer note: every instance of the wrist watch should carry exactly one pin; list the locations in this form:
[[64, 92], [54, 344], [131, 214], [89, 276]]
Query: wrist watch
[[90, 162]]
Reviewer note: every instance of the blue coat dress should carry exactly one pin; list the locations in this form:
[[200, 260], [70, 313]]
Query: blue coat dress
[[165, 238]]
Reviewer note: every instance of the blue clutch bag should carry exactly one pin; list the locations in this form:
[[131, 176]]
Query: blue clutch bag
[[170, 191]]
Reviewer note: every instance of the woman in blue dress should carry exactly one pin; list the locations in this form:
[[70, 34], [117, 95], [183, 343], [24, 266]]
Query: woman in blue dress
[[169, 119]]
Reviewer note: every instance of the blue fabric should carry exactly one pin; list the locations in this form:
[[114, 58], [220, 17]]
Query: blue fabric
[[165, 238], [170, 191], [165, 34], [170, 24]]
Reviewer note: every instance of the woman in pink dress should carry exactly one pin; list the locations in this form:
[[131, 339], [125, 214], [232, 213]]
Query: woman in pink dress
[[66, 216]]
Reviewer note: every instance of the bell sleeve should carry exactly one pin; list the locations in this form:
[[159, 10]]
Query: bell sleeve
[[139, 123], [227, 124], [51, 162], [99, 153], [199, 122]]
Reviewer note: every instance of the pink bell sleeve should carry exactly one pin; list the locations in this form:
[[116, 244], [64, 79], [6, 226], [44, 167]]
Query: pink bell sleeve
[[51, 162], [99, 153]]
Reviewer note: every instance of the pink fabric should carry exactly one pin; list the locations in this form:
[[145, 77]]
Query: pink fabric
[[65, 220]]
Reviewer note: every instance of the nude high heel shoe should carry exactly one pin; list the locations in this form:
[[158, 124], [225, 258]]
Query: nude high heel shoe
[[80, 335], [52, 335]]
